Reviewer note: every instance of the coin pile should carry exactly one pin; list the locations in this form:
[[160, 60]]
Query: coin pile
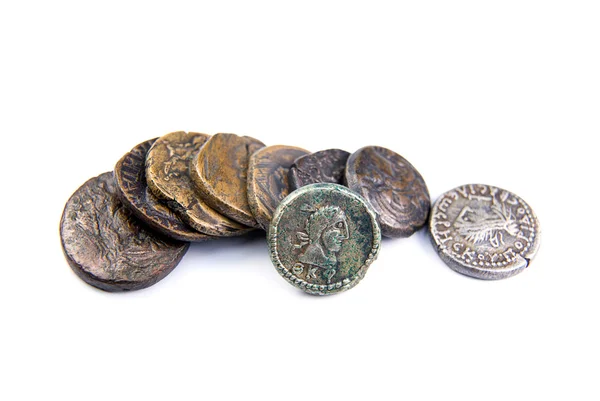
[[324, 213]]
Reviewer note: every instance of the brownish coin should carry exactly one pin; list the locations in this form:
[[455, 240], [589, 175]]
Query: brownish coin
[[394, 187], [220, 174], [268, 180], [168, 177], [326, 166], [107, 247], [130, 177]]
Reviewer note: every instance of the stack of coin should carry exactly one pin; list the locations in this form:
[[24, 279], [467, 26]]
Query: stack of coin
[[324, 212]]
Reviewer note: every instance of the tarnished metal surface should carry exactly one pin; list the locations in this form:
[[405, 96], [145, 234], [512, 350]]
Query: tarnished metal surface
[[130, 177], [220, 174], [323, 238], [168, 177], [268, 181], [107, 247], [394, 187], [326, 166], [484, 232]]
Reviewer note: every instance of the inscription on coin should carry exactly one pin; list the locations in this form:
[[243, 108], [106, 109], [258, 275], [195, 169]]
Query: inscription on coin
[[326, 166], [130, 177], [484, 232], [323, 238], [168, 176], [107, 247], [393, 186], [268, 180], [220, 173]]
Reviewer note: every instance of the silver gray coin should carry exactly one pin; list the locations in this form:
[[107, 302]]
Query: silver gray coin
[[323, 238], [484, 232]]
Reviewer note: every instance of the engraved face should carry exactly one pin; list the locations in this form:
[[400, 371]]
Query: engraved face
[[335, 234]]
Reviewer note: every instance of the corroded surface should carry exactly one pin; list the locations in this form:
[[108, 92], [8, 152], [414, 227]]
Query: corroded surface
[[107, 247], [220, 174], [326, 166], [168, 177], [484, 232], [268, 181], [394, 187], [323, 238], [130, 177]]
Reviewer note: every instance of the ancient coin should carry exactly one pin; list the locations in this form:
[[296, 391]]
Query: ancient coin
[[484, 232], [168, 177], [394, 187], [324, 166], [130, 177], [268, 180], [220, 174], [323, 238], [107, 247]]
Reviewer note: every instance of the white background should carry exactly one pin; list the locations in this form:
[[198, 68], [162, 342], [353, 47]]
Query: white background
[[505, 93]]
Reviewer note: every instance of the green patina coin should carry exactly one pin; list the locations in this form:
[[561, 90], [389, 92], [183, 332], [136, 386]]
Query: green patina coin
[[323, 238]]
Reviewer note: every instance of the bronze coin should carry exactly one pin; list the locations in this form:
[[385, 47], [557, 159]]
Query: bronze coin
[[107, 247], [268, 180], [130, 177], [220, 174], [394, 187], [326, 166], [168, 177]]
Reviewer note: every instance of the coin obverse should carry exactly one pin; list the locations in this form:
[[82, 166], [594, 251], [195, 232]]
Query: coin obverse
[[484, 232], [323, 238], [326, 166], [220, 173], [394, 187], [107, 247], [268, 182], [130, 177], [168, 176]]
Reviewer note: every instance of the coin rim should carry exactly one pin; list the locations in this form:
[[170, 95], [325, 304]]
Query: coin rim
[[322, 289], [520, 263]]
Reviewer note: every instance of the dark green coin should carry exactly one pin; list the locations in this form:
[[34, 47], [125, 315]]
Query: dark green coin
[[323, 238]]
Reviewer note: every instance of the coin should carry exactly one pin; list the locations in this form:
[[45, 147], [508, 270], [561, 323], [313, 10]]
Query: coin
[[168, 177], [220, 174], [324, 166], [268, 180], [394, 187], [484, 231], [130, 177], [107, 247], [323, 238]]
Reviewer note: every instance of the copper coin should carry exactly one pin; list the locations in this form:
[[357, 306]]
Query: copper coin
[[268, 180], [130, 177], [168, 177], [394, 187], [220, 174], [107, 247], [326, 166]]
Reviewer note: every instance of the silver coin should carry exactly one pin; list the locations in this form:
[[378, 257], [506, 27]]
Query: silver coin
[[323, 238], [484, 232]]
